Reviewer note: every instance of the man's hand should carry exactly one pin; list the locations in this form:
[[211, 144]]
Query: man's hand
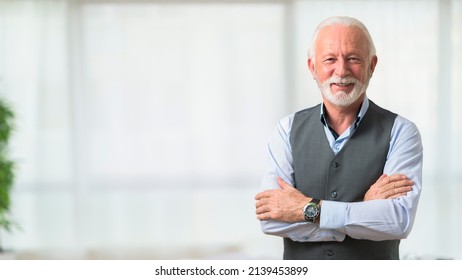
[[284, 204], [389, 187]]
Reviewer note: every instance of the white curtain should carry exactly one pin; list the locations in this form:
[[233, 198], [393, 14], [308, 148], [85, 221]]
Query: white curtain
[[141, 125]]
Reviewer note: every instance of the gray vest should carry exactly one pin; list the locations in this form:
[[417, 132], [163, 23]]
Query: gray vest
[[319, 173]]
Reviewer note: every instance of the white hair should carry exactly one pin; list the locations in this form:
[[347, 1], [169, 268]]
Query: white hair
[[345, 21]]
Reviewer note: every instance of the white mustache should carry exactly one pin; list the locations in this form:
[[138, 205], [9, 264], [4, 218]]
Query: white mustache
[[338, 80]]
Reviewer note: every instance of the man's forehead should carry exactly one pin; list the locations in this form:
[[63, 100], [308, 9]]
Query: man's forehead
[[334, 36]]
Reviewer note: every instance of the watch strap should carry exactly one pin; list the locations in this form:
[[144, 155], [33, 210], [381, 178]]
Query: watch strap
[[315, 201]]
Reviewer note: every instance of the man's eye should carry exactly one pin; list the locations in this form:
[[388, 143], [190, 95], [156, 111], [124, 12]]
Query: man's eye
[[354, 59], [329, 60]]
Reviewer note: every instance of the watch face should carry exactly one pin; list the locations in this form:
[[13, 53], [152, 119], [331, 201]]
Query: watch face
[[312, 211]]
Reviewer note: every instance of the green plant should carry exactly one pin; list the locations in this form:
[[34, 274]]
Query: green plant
[[6, 166]]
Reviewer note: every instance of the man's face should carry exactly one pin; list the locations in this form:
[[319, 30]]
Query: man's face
[[342, 67]]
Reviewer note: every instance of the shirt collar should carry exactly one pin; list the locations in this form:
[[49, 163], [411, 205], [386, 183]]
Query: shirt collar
[[361, 113]]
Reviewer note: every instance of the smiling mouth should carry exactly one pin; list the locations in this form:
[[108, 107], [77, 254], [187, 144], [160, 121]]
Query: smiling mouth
[[343, 84]]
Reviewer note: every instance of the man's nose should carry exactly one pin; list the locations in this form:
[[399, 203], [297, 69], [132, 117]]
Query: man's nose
[[341, 68]]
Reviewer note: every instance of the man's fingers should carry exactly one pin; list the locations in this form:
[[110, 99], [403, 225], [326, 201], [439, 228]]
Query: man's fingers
[[270, 193], [258, 203], [261, 202], [392, 186], [264, 216], [261, 210], [396, 188], [259, 196], [396, 178], [381, 178], [396, 192], [265, 212], [264, 194], [398, 184]]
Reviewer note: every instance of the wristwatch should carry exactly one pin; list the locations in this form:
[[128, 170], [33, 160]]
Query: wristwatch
[[311, 210]]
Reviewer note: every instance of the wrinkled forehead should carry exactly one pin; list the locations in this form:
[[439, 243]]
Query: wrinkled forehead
[[334, 38]]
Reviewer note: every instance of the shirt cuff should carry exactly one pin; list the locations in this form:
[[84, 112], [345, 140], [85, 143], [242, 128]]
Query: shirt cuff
[[333, 215]]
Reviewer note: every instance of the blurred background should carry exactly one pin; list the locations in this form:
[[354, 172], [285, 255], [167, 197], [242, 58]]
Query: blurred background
[[141, 126]]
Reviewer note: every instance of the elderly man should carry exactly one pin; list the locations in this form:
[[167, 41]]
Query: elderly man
[[344, 177]]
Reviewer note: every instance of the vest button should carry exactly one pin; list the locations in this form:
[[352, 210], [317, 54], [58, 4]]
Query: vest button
[[329, 253], [336, 164], [333, 194]]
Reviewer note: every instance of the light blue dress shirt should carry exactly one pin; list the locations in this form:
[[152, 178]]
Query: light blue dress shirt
[[383, 219]]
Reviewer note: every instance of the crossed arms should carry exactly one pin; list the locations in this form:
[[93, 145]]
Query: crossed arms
[[387, 211]]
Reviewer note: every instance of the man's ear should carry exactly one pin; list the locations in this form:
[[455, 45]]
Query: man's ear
[[373, 64], [310, 63]]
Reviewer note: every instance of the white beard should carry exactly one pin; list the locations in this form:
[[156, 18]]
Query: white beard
[[342, 98]]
